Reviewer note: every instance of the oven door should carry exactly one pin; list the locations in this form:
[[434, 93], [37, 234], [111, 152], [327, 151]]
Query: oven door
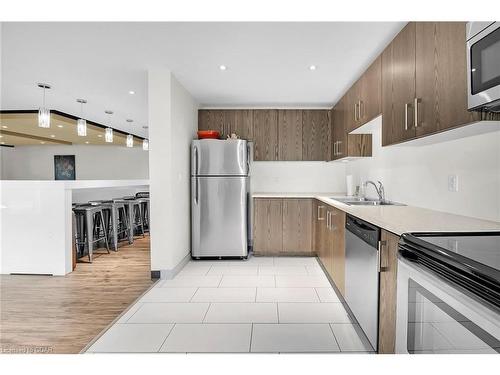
[[483, 68], [434, 316]]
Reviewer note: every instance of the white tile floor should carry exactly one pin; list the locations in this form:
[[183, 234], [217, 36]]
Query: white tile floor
[[264, 304]]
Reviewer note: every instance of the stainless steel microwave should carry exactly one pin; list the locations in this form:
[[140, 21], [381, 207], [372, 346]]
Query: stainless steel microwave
[[483, 66]]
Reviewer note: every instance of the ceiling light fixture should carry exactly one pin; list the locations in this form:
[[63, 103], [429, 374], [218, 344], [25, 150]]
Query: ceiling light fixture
[[108, 132], [99, 135], [145, 144], [145, 127], [60, 126], [52, 136], [81, 123], [222, 67], [130, 140], [43, 112], [312, 67], [87, 142], [131, 92], [4, 126], [129, 120]]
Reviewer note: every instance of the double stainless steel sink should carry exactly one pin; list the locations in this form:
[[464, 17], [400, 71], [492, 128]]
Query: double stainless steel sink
[[352, 201]]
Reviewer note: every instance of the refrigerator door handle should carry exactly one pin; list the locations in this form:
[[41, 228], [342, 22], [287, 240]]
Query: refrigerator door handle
[[195, 156], [196, 189], [242, 156]]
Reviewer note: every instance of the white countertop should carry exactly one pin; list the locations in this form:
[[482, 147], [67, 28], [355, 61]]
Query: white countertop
[[399, 219]]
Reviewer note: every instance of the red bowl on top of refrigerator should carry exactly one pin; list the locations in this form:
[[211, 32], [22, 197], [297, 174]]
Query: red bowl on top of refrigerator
[[208, 134]]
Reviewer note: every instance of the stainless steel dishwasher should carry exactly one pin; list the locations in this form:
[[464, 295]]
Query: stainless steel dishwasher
[[362, 274]]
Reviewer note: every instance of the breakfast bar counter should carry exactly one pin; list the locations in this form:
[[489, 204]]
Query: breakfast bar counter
[[36, 223]]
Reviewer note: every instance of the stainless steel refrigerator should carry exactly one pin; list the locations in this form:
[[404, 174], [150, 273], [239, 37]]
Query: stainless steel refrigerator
[[219, 198]]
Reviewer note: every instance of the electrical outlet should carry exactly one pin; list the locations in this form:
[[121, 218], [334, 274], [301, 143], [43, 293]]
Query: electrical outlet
[[453, 183]]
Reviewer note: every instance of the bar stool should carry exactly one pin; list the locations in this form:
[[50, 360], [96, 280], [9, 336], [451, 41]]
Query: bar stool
[[91, 228], [134, 210], [144, 196], [144, 202], [116, 219]]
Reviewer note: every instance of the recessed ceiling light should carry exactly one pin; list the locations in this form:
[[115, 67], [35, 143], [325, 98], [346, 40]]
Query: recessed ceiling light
[[222, 67], [87, 142], [52, 136], [312, 67], [99, 135], [1, 136], [129, 120], [42, 143], [131, 92], [145, 127], [4, 126], [60, 126], [3, 143]]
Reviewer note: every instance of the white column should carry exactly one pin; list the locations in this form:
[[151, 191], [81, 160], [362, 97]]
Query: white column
[[160, 160], [172, 125]]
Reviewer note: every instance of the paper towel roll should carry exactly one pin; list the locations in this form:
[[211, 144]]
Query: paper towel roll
[[349, 185]]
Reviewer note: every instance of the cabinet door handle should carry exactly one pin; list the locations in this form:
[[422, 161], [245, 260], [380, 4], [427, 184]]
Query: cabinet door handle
[[335, 148], [380, 268], [355, 110], [328, 219], [276, 152], [359, 109], [319, 213], [416, 111], [406, 116], [340, 143]]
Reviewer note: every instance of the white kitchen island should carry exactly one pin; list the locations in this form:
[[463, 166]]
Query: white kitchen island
[[36, 224]]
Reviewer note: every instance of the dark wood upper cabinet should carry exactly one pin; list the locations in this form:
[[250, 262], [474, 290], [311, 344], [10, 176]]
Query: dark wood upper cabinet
[[370, 93], [351, 107], [209, 119], [316, 134], [339, 130], [265, 134], [239, 122], [398, 87], [441, 80], [290, 134], [347, 145]]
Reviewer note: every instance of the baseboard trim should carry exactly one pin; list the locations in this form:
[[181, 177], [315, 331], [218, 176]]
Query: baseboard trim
[[171, 273]]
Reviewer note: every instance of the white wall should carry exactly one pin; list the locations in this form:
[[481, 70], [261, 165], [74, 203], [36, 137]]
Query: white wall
[[418, 175], [92, 162], [172, 115], [288, 176]]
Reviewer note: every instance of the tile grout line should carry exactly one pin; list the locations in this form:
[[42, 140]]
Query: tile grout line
[[278, 312], [206, 312], [251, 338], [319, 299], [334, 337], [168, 334], [196, 291]]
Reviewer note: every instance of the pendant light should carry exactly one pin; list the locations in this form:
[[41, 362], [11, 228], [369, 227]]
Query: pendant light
[[43, 112], [108, 132], [81, 123], [145, 144], [130, 140]]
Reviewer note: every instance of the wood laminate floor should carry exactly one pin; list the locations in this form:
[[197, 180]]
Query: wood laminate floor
[[62, 314]]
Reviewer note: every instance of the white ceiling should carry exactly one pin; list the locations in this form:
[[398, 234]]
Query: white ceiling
[[268, 63]]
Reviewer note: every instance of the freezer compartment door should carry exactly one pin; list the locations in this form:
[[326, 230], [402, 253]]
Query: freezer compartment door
[[219, 216], [213, 157]]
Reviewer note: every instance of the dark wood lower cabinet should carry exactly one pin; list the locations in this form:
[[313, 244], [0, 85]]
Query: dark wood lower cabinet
[[283, 227], [297, 227], [268, 226], [388, 289]]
